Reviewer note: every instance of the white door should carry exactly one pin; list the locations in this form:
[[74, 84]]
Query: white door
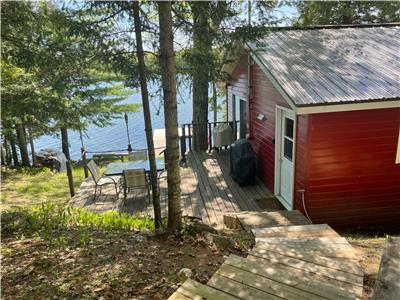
[[286, 158]]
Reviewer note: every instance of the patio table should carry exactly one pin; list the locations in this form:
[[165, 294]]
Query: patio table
[[117, 168]]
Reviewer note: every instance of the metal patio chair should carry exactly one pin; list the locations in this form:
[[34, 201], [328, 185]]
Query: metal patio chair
[[100, 180], [135, 179], [138, 155]]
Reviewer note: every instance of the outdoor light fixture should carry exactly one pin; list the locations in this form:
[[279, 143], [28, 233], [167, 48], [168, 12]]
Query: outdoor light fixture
[[127, 132], [260, 117]]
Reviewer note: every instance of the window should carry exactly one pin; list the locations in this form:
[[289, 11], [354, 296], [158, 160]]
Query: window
[[288, 139], [289, 128], [288, 149]]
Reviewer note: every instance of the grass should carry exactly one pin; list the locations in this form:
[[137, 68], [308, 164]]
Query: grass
[[53, 219], [27, 187]]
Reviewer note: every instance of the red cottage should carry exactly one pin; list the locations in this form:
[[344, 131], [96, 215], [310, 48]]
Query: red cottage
[[321, 107]]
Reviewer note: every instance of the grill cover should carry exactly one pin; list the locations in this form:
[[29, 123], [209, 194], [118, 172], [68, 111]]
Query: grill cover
[[243, 162]]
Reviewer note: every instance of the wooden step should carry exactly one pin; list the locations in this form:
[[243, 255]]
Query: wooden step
[[191, 289], [327, 252], [255, 219], [348, 279], [309, 241], [239, 288], [388, 281], [349, 265], [282, 281], [317, 244], [318, 230]]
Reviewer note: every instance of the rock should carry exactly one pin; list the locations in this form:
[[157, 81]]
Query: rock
[[184, 274], [220, 241], [138, 238], [196, 228]]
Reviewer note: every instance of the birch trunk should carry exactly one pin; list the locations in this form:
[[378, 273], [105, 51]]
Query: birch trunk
[[33, 152]]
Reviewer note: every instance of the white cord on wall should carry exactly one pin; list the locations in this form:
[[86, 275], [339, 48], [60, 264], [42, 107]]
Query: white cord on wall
[[304, 204]]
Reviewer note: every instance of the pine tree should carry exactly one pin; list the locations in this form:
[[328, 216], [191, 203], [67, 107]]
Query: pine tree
[[168, 77]]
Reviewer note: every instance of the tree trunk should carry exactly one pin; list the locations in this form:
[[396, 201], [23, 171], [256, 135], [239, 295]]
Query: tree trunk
[[33, 153], [64, 142], [168, 77], [201, 74], [65, 149], [214, 102], [8, 152], [14, 152], [22, 145], [147, 117], [3, 157]]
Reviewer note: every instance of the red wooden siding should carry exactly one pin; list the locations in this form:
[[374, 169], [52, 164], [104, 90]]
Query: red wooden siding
[[264, 100], [300, 178], [351, 178], [238, 86]]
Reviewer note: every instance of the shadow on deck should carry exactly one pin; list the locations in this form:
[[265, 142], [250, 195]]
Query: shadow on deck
[[207, 192]]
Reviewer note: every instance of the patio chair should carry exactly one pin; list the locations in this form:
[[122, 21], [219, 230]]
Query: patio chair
[[100, 180], [138, 155], [135, 179]]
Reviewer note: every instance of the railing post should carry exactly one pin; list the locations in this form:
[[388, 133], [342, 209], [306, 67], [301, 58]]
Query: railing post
[[83, 154], [183, 143], [70, 179], [209, 136], [236, 130], [190, 137]]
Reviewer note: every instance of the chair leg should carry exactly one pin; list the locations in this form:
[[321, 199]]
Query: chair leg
[[116, 190], [148, 194], [95, 193]]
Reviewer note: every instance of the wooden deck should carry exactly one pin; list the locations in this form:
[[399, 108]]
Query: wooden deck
[[208, 192], [304, 261]]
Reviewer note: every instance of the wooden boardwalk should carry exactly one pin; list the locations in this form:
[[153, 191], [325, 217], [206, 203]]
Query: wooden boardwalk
[[208, 192], [288, 261]]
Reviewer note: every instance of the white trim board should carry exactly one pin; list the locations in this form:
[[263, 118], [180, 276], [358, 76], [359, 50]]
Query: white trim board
[[278, 145], [317, 109]]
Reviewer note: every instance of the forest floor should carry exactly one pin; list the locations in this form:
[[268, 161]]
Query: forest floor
[[109, 265], [113, 256], [51, 250]]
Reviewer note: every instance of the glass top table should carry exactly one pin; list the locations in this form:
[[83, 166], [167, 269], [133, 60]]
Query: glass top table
[[117, 168]]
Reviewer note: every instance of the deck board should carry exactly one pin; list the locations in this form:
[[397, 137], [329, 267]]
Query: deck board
[[282, 278], [207, 192]]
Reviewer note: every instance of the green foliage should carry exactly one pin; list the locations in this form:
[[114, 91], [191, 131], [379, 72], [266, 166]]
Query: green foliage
[[49, 218], [53, 72], [347, 12]]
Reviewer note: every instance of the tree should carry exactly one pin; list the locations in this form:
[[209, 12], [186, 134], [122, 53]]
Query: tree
[[22, 144], [53, 74], [201, 74], [146, 115], [168, 77], [347, 12]]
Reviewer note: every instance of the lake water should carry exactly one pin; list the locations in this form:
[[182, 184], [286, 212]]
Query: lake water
[[114, 137]]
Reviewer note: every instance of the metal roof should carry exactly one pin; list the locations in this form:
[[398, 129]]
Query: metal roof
[[333, 65]]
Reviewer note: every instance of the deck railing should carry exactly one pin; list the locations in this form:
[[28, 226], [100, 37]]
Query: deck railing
[[187, 134]]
